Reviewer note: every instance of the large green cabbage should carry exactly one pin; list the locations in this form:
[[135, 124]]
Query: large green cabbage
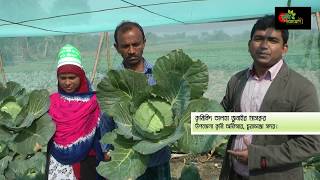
[[149, 118], [11, 108], [24, 126], [154, 119]]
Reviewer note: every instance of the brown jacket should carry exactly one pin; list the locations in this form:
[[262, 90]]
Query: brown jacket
[[289, 92]]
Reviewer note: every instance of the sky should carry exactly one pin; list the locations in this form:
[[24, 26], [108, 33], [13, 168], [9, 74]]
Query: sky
[[230, 28]]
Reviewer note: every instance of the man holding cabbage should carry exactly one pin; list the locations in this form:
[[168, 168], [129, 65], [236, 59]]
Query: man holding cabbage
[[130, 42]]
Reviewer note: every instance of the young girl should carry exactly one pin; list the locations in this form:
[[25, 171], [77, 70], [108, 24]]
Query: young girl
[[74, 151]]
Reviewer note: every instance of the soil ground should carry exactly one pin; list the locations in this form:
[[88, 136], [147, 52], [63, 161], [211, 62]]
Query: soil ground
[[209, 166]]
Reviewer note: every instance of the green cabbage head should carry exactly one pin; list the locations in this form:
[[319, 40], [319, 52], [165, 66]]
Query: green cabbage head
[[11, 108], [154, 119]]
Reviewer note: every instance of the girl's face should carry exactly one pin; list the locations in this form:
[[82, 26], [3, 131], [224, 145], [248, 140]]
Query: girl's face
[[69, 82]]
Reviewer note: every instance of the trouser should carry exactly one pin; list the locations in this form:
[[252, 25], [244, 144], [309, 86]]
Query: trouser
[[161, 172], [236, 176]]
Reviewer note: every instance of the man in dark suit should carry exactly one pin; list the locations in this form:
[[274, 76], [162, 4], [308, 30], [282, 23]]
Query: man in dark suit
[[269, 85]]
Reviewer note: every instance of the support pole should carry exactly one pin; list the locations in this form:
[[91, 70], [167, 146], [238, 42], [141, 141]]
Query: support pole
[[318, 20], [4, 78], [97, 58], [109, 60]]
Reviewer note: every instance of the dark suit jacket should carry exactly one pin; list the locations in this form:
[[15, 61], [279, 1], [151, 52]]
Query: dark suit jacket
[[289, 92]]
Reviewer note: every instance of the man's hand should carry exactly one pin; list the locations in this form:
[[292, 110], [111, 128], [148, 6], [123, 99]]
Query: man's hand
[[107, 156], [241, 155]]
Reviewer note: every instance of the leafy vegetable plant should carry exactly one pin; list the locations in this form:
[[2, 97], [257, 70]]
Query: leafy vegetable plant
[[149, 118], [25, 129]]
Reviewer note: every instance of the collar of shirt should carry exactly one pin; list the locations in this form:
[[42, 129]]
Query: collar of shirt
[[269, 75], [147, 67], [147, 70]]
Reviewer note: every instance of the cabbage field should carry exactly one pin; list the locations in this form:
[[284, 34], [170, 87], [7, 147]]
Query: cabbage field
[[223, 57]]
